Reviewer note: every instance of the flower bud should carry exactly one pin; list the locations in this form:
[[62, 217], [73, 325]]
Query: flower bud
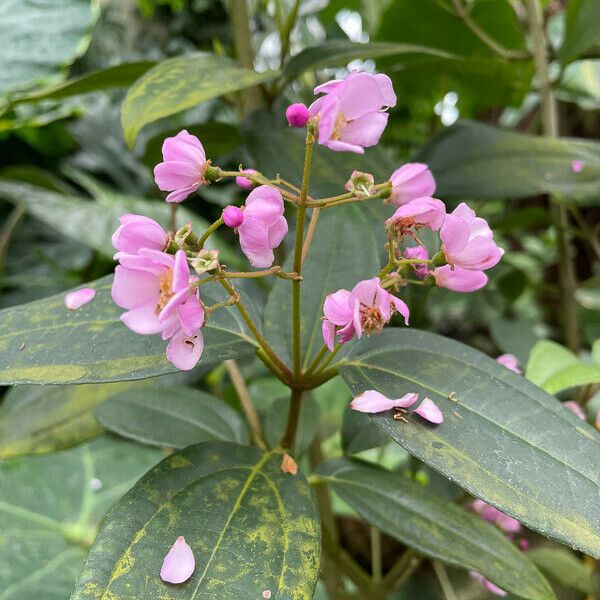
[[297, 115], [244, 182], [233, 216]]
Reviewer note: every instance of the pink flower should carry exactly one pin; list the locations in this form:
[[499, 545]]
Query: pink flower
[[493, 515], [182, 171], [366, 309], [487, 584], [233, 216], [264, 226], [137, 232], [575, 409], [244, 182], [76, 299], [409, 182], [577, 166], [510, 361], [422, 212], [155, 289], [468, 241], [297, 115], [350, 114], [421, 270], [459, 280], [179, 563], [372, 401], [430, 411]]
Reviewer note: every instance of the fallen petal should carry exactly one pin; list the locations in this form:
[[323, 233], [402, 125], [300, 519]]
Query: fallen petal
[[406, 400], [430, 411], [76, 299], [288, 465], [372, 401], [179, 563]]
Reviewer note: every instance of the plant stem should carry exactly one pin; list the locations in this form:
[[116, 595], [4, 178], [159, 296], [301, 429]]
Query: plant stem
[[444, 580], [316, 360], [15, 216], [246, 403], [209, 232], [289, 435], [376, 554], [560, 217], [328, 360], [310, 232]]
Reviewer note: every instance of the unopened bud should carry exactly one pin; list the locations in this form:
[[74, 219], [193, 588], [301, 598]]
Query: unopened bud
[[233, 216], [244, 182], [297, 115], [207, 260]]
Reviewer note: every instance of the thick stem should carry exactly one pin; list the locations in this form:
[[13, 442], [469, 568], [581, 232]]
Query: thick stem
[[560, 217], [289, 435], [246, 403]]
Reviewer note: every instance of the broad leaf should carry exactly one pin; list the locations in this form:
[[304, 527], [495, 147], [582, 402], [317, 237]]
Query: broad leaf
[[514, 336], [180, 83], [50, 508], [175, 417], [360, 433], [490, 441], [251, 527], [476, 160], [582, 33], [44, 342], [40, 38], [420, 519]]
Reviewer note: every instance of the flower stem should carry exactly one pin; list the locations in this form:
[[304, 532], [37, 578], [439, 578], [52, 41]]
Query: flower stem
[[328, 360], [289, 435], [209, 232], [316, 360], [310, 232]]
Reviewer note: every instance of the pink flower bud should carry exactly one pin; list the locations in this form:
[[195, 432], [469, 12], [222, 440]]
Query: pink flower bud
[[372, 401], [575, 409], [297, 115], [409, 182], [233, 216], [179, 563], [76, 299], [430, 411], [244, 182], [421, 270], [510, 361]]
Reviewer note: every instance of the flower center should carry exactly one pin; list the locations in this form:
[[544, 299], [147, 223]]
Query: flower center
[[340, 122], [371, 319], [165, 286]]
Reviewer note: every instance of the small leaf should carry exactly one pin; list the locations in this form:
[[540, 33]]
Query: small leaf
[[251, 527], [417, 517]]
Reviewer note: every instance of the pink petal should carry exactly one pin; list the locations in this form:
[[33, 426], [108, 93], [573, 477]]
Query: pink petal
[[577, 166], [181, 272], [330, 86], [429, 410], [181, 194], [365, 131], [575, 409], [339, 146], [183, 147], [191, 315], [262, 259], [459, 280], [361, 94], [173, 304], [143, 319], [488, 585], [411, 181], [328, 330], [406, 400], [454, 234], [132, 288], [175, 175], [76, 299], [510, 361], [184, 351], [400, 307], [277, 231], [179, 563], [336, 307], [372, 401], [508, 524], [137, 231]]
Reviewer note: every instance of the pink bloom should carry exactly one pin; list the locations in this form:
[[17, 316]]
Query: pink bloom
[[421, 270], [137, 232], [297, 115], [367, 308], [575, 409], [510, 361], [179, 563], [487, 584], [182, 171], [76, 299], [264, 226], [233, 216], [422, 212], [350, 114], [411, 181], [155, 289], [577, 166], [430, 411], [374, 402], [244, 182], [468, 241], [459, 280], [493, 515]]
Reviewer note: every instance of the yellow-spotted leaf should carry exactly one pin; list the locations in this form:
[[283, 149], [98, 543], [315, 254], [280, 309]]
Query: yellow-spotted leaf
[[253, 529]]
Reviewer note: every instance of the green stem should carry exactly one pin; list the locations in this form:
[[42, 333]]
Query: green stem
[[289, 435], [316, 360], [444, 580], [15, 216], [328, 360], [376, 568], [209, 232]]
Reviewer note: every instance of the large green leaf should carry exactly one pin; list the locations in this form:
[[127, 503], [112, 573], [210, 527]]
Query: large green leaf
[[417, 517], [360, 433], [44, 342], [50, 507], [504, 440], [40, 38], [175, 417], [475, 160], [581, 33], [180, 83], [251, 527]]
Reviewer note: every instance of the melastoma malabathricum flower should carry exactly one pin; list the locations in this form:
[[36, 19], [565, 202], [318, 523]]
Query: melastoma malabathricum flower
[[459, 280], [421, 212], [467, 240], [137, 232], [351, 115], [155, 289], [365, 309], [409, 182], [182, 171]]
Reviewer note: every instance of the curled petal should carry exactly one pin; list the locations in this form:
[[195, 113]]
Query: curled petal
[[328, 330], [371, 401], [76, 299], [179, 563], [430, 411], [400, 307], [406, 400], [185, 351], [510, 361]]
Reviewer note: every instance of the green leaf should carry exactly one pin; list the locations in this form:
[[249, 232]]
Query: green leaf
[[251, 527], [175, 417], [566, 568], [417, 517], [500, 440], [276, 419], [580, 83], [179, 83], [44, 342], [50, 507], [554, 368], [588, 294], [476, 160], [360, 433], [40, 38], [514, 336], [336, 53], [581, 32]]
